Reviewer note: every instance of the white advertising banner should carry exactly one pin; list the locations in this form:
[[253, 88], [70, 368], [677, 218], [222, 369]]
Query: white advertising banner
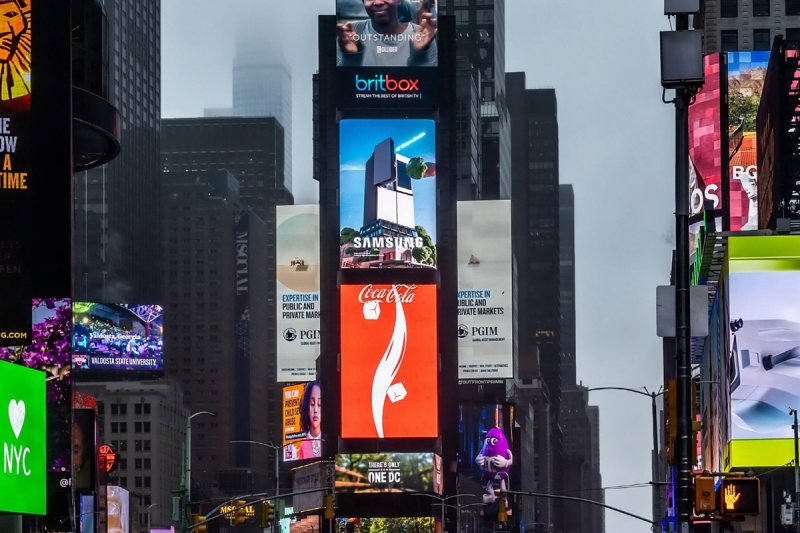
[[484, 290], [297, 294]]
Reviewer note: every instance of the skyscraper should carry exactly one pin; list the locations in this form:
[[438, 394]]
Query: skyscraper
[[535, 244], [116, 250], [743, 25], [480, 49]]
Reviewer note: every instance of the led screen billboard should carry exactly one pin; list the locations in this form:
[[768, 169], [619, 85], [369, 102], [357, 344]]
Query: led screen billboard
[[763, 288], [388, 361], [387, 200], [23, 438], [16, 153], [386, 472], [302, 421], [118, 507], [746, 75], [484, 290], [49, 352], [84, 450], [399, 33], [485, 446], [297, 285], [117, 337]]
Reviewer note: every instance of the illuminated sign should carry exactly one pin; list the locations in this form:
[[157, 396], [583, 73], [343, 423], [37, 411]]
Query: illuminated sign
[[107, 456], [23, 440], [389, 370], [302, 421], [484, 290], [117, 337], [740, 495], [391, 34], [15, 181], [746, 76], [297, 291], [387, 210], [229, 511], [385, 472]]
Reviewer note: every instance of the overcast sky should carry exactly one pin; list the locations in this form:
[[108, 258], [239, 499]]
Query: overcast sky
[[616, 148]]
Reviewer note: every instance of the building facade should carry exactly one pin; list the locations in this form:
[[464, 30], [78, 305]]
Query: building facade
[[747, 25]]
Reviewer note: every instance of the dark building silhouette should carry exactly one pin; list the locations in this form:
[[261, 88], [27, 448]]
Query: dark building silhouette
[[240, 161], [116, 241], [482, 144], [537, 334]]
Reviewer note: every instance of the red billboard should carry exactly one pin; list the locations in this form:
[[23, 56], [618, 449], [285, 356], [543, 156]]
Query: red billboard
[[388, 361]]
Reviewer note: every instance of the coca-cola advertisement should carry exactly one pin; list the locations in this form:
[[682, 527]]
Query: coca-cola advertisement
[[388, 361]]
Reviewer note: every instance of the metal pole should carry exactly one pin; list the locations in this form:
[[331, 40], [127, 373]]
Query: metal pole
[[276, 527], [444, 530], [795, 513], [654, 474], [682, 310], [188, 463]]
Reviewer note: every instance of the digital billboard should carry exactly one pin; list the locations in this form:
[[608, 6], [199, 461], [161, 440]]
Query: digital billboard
[[387, 200], [302, 421], [117, 337], [394, 33], [484, 290], [385, 472], [485, 446], [84, 450], [389, 365], [746, 76], [763, 288], [297, 296], [118, 506], [23, 436], [16, 153], [49, 351]]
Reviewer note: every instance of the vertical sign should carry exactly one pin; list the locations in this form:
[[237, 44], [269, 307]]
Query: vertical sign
[[484, 290], [15, 151], [297, 291], [302, 421]]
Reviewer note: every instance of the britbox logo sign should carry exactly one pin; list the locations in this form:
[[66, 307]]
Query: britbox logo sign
[[22, 439], [383, 83]]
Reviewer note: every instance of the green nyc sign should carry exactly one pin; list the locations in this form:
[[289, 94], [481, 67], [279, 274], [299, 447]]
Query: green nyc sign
[[23, 440]]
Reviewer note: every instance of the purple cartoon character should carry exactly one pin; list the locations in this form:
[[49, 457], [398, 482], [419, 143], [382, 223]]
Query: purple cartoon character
[[495, 460]]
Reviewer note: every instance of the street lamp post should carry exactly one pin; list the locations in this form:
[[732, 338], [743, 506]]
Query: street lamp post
[[654, 458], [442, 500], [276, 449], [187, 479], [149, 507]]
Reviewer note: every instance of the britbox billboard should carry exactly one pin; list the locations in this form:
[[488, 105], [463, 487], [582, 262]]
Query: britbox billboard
[[484, 290], [117, 337], [763, 288], [746, 74], [15, 153], [389, 370], [297, 291], [387, 199]]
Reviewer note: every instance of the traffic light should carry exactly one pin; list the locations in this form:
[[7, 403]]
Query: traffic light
[[502, 512], [239, 513], [705, 499], [328, 513], [740, 496], [202, 528], [671, 397], [267, 513]]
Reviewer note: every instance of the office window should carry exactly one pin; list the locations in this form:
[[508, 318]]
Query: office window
[[793, 34], [729, 40], [761, 40], [729, 8], [792, 8], [761, 8]]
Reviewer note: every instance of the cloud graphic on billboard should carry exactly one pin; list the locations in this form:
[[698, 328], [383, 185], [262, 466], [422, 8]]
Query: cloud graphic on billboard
[[389, 365]]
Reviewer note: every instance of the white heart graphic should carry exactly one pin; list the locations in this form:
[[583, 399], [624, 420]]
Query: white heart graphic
[[16, 414]]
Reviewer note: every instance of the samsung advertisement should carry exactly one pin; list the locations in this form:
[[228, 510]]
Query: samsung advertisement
[[297, 291], [387, 196], [764, 326], [120, 337], [389, 369], [484, 290]]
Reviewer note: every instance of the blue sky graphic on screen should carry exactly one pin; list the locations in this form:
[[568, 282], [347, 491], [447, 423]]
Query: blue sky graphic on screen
[[117, 337], [387, 170]]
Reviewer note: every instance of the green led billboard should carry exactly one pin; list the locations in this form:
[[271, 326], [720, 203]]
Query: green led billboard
[[22, 439]]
